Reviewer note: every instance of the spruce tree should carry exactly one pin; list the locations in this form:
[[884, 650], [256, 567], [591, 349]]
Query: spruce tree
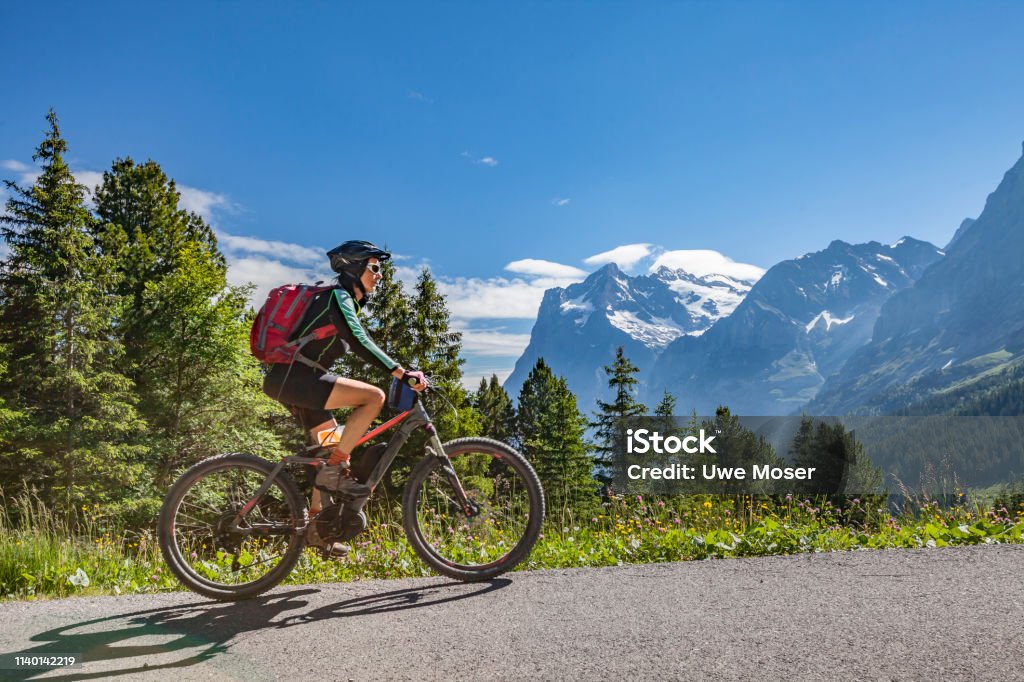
[[736, 447], [186, 330], [610, 417], [11, 422], [535, 395], [560, 455], [838, 458], [436, 349], [664, 413], [145, 203], [497, 415], [58, 309], [436, 345]]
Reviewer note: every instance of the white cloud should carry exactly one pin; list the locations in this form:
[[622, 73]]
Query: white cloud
[[561, 202], [14, 165], [494, 342], [408, 274], [625, 256], [266, 274], [494, 298], [91, 179], [489, 161], [472, 298], [419, 97], [192, 199], [703, 262], [27, 174], [238, 244], [202, 202], [544, 268], [269, 263], [474, 371]]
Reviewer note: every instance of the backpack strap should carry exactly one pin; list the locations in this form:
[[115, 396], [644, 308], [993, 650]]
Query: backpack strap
[[297, 356], [318, 333]]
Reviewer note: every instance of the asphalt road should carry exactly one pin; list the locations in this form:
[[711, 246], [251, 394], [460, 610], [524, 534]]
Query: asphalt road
[[936, 614]]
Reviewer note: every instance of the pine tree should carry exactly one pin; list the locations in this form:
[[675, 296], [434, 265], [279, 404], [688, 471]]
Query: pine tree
[[57, 326], [560, 454], [497, 414], [610, 417]]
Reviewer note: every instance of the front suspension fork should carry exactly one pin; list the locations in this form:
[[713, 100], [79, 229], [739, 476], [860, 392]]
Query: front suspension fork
[[436, 448]]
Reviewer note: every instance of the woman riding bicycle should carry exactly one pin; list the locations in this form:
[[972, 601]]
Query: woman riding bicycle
[[311, 391]]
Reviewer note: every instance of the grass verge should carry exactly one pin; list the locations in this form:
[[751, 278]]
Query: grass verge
[[46, 557]]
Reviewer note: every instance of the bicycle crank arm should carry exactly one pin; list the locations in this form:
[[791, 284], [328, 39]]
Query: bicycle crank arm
[[272, 529]]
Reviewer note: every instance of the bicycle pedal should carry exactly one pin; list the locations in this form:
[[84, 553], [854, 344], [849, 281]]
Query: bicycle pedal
[[330, 553]]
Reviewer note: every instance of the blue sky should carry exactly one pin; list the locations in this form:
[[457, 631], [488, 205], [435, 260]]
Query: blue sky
[[506, 145]]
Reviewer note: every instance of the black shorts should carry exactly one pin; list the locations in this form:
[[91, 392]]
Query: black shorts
[[305, 391]]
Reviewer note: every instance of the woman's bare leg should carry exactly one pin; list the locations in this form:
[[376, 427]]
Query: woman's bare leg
[[366, 399]]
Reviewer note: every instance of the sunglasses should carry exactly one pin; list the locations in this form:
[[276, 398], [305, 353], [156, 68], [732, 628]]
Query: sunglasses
[[374, 268]]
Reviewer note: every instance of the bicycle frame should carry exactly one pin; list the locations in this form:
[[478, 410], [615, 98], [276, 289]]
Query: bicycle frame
[[407, 422]]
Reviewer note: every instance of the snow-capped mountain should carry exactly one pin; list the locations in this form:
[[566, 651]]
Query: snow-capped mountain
[[796, 326], [707, 298], [579, 327]]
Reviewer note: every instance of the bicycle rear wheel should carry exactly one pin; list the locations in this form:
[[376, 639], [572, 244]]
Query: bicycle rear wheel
[[481, 542], [200, 543]]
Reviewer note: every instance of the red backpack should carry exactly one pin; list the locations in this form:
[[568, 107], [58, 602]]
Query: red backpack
[[277, 321]]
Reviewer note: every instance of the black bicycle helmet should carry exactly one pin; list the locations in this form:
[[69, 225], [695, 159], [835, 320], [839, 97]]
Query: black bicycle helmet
[[351, 256]]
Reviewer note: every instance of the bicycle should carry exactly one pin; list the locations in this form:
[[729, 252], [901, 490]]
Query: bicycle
[[233, 526]]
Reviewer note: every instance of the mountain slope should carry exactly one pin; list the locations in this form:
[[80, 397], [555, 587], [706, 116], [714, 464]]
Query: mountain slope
[[797, 325], [962, 321]]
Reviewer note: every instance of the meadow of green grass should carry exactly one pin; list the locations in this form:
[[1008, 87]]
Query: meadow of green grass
[[49, 556]]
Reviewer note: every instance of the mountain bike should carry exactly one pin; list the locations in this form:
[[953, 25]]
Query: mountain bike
[[235, 525]]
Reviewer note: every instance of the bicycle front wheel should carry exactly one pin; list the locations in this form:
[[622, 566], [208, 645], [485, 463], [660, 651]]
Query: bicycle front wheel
[[207, 551], [499, 528]]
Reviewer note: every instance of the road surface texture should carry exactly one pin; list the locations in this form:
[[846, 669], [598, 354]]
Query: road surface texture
[[934, 614]]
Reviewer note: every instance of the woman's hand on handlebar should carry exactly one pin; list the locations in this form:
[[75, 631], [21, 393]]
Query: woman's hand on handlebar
[[415, 379]]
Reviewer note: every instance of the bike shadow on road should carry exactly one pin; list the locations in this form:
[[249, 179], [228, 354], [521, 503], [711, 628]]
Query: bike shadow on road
[[190, 634]]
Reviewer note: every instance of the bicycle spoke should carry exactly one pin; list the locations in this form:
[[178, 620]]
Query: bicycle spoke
[[490, 534], [202, 508], [210, 545]]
